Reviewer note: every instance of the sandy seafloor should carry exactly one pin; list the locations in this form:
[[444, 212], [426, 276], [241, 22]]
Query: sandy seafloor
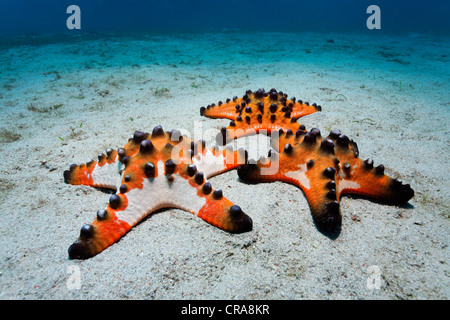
[[64, 101]]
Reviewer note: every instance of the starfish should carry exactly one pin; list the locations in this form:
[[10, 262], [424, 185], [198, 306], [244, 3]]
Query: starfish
[[325, 169], [151, 172], [258, 112]]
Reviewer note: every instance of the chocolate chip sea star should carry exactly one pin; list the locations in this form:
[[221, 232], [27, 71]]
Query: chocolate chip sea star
[[258, 112], [151, 172], [324, 168]]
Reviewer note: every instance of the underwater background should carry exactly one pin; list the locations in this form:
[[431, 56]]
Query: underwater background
[[67, 95], [47, 16]]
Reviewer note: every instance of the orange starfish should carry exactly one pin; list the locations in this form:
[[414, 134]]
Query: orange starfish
[[257, 112], [151, 172], [325, 169]]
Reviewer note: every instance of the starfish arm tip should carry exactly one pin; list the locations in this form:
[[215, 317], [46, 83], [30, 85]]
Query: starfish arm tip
[[328, 219]]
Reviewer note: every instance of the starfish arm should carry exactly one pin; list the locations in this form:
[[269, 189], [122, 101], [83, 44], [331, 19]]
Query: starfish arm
[[225, 110], [106, 229], [361, 177], [104, 173], [323, 203], [222, 213], [293, 165], [354, 176], [301, 109]]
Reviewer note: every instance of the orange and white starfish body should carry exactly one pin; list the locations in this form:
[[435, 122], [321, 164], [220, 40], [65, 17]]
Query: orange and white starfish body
[[151, 172]]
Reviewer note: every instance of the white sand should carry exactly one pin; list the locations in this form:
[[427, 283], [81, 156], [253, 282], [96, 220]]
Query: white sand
[[391, 95]]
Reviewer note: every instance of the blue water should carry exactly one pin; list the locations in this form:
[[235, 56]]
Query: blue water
[[20, 17]]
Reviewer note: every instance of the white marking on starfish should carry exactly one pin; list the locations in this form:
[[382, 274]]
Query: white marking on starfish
[[300, 175], [159, 193], [209, 164], [346, 184], [107, 176]]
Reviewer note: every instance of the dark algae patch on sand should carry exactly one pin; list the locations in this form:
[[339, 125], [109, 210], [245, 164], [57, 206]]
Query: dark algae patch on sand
[[7, 136]]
